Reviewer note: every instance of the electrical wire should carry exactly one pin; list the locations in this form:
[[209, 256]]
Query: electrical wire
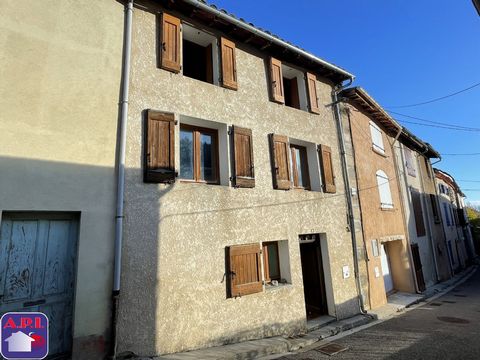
[[436, 99], [466, 154], [475, 181], [435, 122], [438, 126]]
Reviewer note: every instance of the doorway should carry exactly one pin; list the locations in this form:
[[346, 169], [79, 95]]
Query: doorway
[[386, 269], [313, 276], [38, 270]]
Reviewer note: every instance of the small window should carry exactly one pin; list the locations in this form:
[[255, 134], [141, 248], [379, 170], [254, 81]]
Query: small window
[[294, 88], [433, 202], [198, 154], [409, 163], [299, 165], [383, 184], [377, 139], [447, 214], [276, 267], [427, 167], [375, 247]]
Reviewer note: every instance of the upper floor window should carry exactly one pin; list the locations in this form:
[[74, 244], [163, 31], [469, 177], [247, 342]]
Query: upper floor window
[[377, 139], [409, 162], [299, 164], [383, 184]]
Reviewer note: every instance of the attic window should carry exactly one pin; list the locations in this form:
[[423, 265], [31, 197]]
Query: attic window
[[200, 60], [294, 88]]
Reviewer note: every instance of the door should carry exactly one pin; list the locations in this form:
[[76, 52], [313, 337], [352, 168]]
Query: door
[[313, 277], [37, 271], [417, 263], [386, 270]]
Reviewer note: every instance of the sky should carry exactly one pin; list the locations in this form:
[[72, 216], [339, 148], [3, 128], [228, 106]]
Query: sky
[[402, 53]]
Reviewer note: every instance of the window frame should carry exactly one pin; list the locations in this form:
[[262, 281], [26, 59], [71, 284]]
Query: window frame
[[266, 263], [304, 167], [197, 131]]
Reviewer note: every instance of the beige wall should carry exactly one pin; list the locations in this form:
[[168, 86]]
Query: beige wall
[[174, 255], [384, 225], [60, 69]]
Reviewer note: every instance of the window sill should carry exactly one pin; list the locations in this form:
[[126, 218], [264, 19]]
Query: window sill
[[387, 208], [269, 287], [186, 181], [379, 152]]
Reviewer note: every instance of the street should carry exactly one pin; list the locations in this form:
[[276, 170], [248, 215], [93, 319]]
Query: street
[[444, 328]]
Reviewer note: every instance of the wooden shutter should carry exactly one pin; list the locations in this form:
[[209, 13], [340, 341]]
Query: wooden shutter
[[229, 65], [170, 44], [159, 147], [244, 269], [280, 155], [417, 263], [244, 173], [328, 176], [276, 79], [312, 93], [418, 213]]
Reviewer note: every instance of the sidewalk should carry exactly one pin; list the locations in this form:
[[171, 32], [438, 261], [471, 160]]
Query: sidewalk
[[255, 349]]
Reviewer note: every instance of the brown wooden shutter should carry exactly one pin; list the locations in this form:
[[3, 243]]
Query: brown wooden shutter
[[244, 173], [312, 93], [276, 79], [328, 175], [170, 44], [418, 213], [229, 65], [244, 271], [280, 155], [159, 147]]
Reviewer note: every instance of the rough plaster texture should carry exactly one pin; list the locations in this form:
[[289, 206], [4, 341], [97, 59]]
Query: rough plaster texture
[[174, 294], [60, 71], [380, 224]]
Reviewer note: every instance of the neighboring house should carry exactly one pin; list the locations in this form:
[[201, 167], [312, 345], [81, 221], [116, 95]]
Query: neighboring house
[[423, 219], [224, 119], [59, 87], [373, 134], [457, 243]]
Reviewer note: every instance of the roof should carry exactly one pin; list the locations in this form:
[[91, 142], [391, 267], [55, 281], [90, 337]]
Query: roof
[[476, 3], [448, 179], [415, 143], [359, 97], [245, 32]]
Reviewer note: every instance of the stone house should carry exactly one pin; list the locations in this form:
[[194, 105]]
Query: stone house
[[236, 216], [60, 71], [373, 136]]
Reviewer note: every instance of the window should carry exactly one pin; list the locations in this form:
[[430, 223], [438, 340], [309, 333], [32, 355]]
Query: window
[[409, 162], [384, 190], [299, 165], [447, 214], [418, 213], [377, 140], [271, 262], [198, 154], [433, 202], [375, 247], [427, 167]]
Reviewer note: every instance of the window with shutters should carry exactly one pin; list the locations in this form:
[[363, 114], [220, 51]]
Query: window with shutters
[[427, 167], [294, 88], [243, 166], [383, 184], [434, 204], [276, 264], [446, 214], [418, 212], [409, 162], [299, 164], [377, 138], [199, 154]]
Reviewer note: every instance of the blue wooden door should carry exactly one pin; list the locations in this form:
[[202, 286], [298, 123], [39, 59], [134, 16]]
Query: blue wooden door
[[37, 271]]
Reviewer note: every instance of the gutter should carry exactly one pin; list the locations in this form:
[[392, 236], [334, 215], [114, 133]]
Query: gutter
[[348, 193], [270, 38], [121, 143]]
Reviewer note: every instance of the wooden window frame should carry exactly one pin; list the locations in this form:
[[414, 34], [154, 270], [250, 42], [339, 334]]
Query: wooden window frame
[[266, 263], [197, 131], [294, 169]]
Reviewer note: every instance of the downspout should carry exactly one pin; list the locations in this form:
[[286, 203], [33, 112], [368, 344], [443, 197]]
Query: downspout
[[348, 193], [122, 140]]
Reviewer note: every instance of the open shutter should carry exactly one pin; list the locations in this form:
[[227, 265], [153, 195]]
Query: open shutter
[[229, 65], [312, 93], [244, 271], [328, 176], [244, 173], [280, 155], [170, 44], [159, 147], [276, 79]]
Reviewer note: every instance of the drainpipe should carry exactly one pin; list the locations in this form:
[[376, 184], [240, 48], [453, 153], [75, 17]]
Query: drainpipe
[[348, 193], [122, 140]]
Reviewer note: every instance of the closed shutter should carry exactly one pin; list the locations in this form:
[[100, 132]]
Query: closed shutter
[[244, 173], [244, 269], [377, 139], [280, 155], [170, 44], [229, 65], [328, 176], [276, 79], [418, 213], [312, 93], [159, 147]]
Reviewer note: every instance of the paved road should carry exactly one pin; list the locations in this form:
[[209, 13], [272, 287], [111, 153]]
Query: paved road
[[445, 328]]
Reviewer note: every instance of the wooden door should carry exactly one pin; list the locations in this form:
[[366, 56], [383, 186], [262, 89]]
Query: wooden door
[[313, 279], [37, 271], [417, 263], [386, 270]]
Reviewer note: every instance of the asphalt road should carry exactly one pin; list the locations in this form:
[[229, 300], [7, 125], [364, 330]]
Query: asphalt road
[[445, 328]]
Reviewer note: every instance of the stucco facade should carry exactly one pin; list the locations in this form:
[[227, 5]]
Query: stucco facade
[[60, 71], [176, 235], [383, 223]]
